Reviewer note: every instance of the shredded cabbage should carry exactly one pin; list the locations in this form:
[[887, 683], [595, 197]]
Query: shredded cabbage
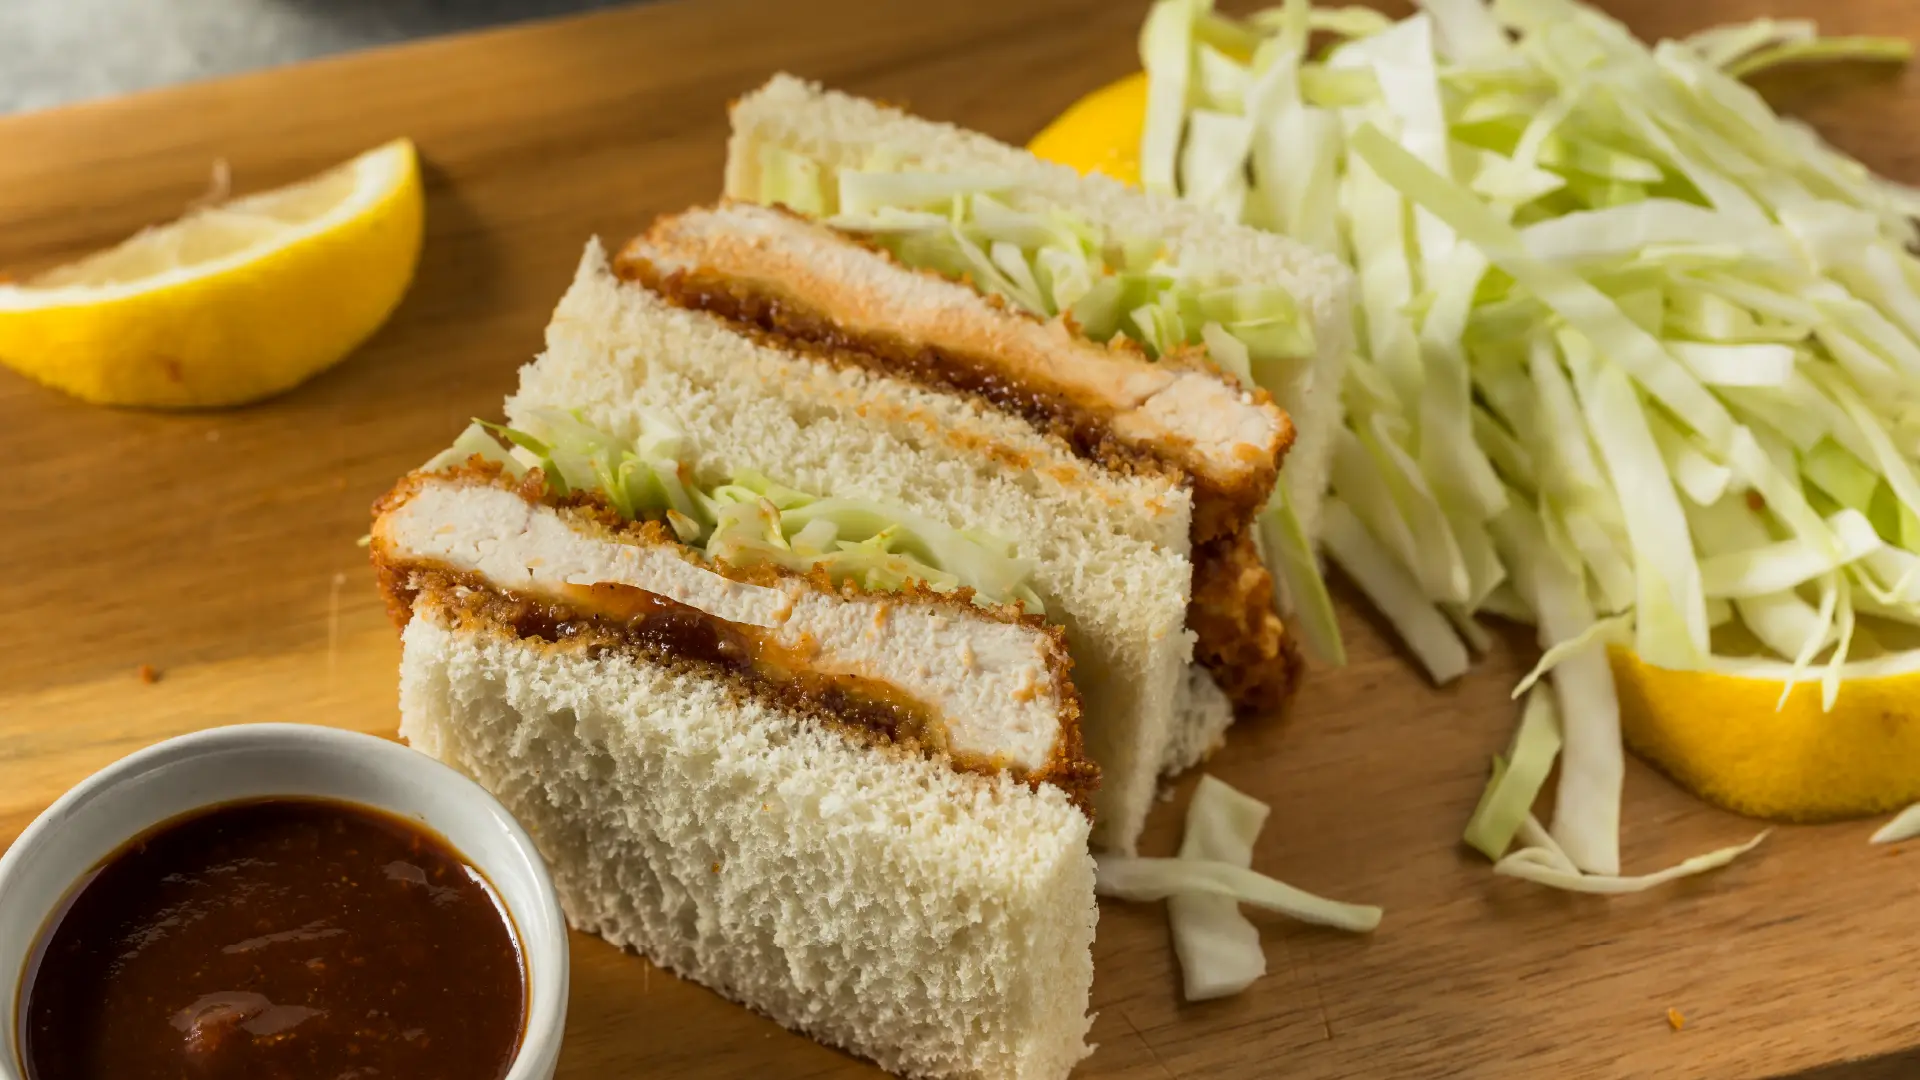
[[749, 520], [1586, 816], [1395, 592], [1286, 547], [1540, 866], [1614, 630], [1517, 779], [1219, 949], [1883, 49], [1166, 53], [1637, 356], [1904, 826], [1130, 878], [475, 442], [792, 180], [1052, 264]]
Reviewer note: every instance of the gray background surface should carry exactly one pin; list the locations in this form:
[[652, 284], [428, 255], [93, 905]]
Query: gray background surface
[[57, 51]]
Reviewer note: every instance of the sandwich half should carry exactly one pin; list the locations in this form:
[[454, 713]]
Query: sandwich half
[[1145, 335], [818, 771], [1101, 553]]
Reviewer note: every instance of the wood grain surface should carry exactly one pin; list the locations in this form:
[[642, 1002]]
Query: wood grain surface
[[219, 548]]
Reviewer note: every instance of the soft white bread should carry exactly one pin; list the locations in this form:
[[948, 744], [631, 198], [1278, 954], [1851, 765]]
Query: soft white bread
[[935, 921], [1109, 550], [1201, 716], [839, 130], [994, 688]]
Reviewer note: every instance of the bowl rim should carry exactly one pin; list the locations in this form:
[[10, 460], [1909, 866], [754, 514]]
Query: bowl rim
[[541, 934]]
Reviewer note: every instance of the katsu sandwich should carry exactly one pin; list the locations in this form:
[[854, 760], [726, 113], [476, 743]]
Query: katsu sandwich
[[1147, 336], [803, 742], [858, 554]]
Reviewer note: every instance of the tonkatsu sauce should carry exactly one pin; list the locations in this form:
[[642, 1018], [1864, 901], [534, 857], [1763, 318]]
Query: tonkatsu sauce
[[282, 939]]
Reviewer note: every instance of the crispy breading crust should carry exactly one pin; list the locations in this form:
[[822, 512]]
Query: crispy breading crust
[[474, 603], [1084, 423], [1241, 640]]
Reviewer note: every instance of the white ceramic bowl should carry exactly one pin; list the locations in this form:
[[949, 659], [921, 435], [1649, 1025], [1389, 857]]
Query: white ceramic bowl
[[254, 760]]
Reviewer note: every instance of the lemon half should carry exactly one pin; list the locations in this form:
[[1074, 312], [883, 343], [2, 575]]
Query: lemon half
[[1725, 738], [231, 303]]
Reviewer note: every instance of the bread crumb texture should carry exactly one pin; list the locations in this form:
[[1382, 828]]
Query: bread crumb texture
[[1116, 580], [936, 922]]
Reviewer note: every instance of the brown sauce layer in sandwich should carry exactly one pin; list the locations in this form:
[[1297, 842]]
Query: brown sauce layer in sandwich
[[751, 659], [885, 711], [791, 323], [623, 620]]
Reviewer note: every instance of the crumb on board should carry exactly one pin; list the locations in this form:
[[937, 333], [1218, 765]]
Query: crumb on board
[[1675, 1020], [219, 187], [148, 674], [333, 620]]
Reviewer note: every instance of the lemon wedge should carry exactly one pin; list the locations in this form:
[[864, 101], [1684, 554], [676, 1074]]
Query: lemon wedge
[[1100, 132], [231, 303], [1727, 738], [1730, 740]]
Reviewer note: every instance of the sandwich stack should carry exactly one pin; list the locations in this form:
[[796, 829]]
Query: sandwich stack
[[857, 555]]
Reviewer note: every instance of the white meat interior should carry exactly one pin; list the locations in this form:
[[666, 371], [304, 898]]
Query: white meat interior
[[987, 681]]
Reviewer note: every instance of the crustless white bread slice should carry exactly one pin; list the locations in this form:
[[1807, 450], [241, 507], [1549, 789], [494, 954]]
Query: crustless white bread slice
[[1202, 715], [934, 920], [1108, 550]]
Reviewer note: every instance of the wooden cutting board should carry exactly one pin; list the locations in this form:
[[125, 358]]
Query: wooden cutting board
[[219, 548]]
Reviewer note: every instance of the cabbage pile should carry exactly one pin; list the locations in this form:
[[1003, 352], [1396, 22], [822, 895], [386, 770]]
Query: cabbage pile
[[749, 520], [1639, 359]]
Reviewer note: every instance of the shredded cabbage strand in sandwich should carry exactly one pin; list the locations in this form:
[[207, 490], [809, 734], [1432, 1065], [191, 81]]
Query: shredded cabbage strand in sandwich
[[1047, 261], [749, 520], [1635, 350]]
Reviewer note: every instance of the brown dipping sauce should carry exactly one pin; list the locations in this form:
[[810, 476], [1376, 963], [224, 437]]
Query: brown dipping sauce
[[283, 939]]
